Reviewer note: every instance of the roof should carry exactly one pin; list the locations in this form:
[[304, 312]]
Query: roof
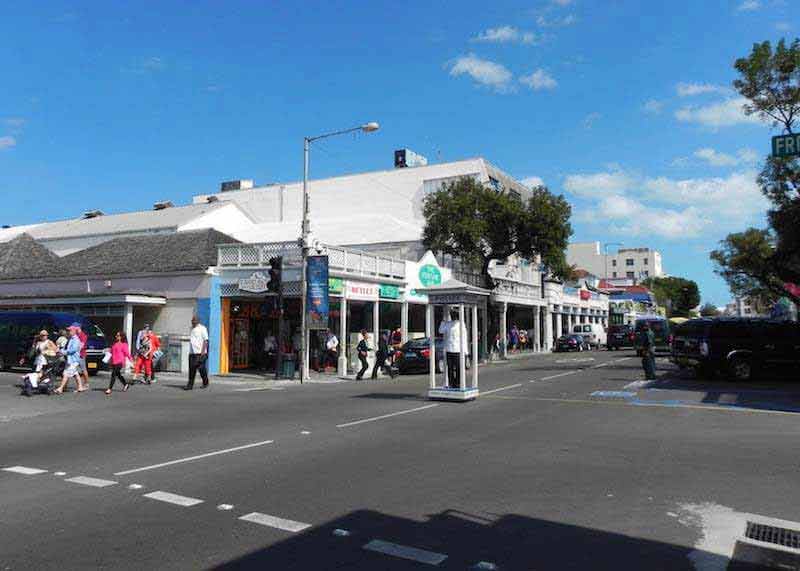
[[12, 232], [453, 286], [24, 255], [139, 221]]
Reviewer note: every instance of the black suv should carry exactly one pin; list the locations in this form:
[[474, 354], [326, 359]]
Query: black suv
[[738, 347], [619, 336]]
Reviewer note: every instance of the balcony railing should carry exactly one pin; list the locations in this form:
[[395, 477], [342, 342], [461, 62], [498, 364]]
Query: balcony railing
[[352, 262]]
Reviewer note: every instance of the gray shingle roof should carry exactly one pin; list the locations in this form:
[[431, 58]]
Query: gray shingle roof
[[24, 256], [124, 222]]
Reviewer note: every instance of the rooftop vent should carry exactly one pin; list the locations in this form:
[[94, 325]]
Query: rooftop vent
[[92, 214], [212, 198], [164, 204], [242, 184], [6, 226]]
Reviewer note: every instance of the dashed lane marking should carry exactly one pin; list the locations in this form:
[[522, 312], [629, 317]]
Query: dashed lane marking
[[600, 365], [254, 389], [502, 389], [193, 458], [59, 473], [24, 470], [383, 416], [555, 376], [173, 499], [225, 507], [93, 482], [276, 522], [405, 552]]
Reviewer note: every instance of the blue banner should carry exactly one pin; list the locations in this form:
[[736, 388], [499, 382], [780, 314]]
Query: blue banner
[[317, 306]]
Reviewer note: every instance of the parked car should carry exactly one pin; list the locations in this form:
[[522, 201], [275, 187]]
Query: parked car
[[18, 329], [593, 334], [620, 337], [661, 330], [737, 347], [415, 356], [571, 342]]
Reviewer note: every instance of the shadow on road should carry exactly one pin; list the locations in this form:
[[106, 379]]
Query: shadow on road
[[392, 396], [508, 541]]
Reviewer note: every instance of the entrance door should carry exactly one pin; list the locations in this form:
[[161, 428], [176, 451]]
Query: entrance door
[[240, 343]]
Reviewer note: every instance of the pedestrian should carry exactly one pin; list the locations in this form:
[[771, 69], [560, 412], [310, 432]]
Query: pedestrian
[[198, 353], [155, 343], [84, 338], [73, 354], [363, 350], [270, 349], [144, 359], [648, 340], [513, 339], [381, 355], [331, 349], [140, 335], [62, 340], [44, 348], [120, 352]]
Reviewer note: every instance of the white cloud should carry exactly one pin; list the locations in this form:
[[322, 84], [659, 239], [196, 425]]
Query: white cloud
[[506, 34], [689, 89], [545, 22], [591, 119], [532, 181], [718, 159], [653, 106], [485, 72], [721, 114], [783, 26], [7, 142], [631, 217], [748, 156], [538, 80], [599, 184], [749, 5]]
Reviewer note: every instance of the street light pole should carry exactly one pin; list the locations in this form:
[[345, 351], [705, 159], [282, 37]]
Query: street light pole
[[304, 245]]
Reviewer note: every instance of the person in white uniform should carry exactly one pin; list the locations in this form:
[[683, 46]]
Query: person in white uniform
[[454, 334]]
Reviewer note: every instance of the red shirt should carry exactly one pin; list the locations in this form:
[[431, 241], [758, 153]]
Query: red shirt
[[84, 338]]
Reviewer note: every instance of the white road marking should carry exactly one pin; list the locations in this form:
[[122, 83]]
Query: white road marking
[[173, 499], [93, 482], [225, 507], [305, 432], [638, 385], [192, 458], [502, 389], [600, 365], [253, 389], [24, 470], [59, 473], [135, 487], [276, 522], [556, 376], [645, 404], [374, 418], [405, 552], [623, 359], [484, 566]]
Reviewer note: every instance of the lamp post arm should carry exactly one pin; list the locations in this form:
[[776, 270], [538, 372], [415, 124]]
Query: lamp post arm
[[334, 133]]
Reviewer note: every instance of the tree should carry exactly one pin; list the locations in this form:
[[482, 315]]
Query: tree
[[709, 310], [477, 224], [758, 263], [678, 295]]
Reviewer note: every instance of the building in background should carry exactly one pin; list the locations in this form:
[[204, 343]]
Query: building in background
[[635, 264]]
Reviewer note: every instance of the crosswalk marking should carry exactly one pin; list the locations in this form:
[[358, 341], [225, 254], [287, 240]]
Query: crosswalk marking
[[276, 522], [93, 482], [24, 470], [173, 499]]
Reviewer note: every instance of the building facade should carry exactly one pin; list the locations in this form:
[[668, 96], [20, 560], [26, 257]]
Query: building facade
[[624, 264]]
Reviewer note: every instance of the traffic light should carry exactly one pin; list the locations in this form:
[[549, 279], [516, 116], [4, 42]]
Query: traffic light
[[275, 271]]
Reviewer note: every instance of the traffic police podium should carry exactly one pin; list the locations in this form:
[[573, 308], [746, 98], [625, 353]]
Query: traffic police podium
[[454, 294]]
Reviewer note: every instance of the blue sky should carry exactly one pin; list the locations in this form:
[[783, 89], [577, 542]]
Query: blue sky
[[623, 106]]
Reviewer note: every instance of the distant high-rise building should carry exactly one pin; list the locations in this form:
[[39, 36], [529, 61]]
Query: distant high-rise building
[[624, 264]]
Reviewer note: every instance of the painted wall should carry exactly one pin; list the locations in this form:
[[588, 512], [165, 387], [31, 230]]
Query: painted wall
[[169, 286]]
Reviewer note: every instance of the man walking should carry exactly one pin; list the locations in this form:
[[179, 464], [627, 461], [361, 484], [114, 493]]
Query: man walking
[[381, 355], [198, 353], [648, 352]]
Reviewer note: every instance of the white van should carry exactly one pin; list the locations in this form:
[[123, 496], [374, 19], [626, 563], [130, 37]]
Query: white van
[[593, 333]]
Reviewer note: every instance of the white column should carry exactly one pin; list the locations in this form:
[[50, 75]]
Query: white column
[[475, 347], [504, 330], [428, 323], [536, 331], [429, 327], [343, 338], [547, 317], [462, 358], [376, 323], [404, 321], [559, 324], [127, 325], [485, 332]]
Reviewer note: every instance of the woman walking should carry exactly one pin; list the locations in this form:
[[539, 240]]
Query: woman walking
[[44, 348], [120, 352], [73, 354], [363, 350]]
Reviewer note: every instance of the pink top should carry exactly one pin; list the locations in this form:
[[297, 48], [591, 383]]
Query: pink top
[[119, 352]]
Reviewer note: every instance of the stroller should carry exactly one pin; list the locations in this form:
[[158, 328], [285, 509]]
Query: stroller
[[44, 382]]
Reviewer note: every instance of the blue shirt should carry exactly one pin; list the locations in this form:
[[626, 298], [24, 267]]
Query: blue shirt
[[73, 351]]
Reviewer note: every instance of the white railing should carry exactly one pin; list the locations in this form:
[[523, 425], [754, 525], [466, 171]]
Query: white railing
[[344, 260]]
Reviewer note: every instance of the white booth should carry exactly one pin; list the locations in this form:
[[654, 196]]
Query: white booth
[[459, 330]]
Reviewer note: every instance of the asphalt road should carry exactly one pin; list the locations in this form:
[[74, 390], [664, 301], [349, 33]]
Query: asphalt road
[[564, 462]]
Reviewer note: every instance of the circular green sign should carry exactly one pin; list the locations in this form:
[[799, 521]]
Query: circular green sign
[[430, 275]]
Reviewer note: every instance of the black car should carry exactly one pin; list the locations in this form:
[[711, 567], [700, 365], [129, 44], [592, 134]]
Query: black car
[[415, 356], [736, 347], [620, 337], [661, 332], [570, 343]]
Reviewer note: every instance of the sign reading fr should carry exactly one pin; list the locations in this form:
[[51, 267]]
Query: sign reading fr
[[786, 145]]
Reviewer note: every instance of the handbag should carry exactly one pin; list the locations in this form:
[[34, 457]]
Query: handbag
[[107, 358], [157, 355]]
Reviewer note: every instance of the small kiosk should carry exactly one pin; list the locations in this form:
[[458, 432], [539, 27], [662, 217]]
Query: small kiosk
[[459, 328]]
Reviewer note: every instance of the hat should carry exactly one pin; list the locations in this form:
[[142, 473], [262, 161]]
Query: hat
[[75, 325]]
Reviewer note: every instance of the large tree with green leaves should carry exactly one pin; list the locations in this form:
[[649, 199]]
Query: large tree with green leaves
[[678, 295], [709, 310], [477, 224], [757, 263]]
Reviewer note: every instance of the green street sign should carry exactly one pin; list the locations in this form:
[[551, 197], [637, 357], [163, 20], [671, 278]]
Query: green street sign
[[429, 275], [786, 145], [335, 285], [389, 291]]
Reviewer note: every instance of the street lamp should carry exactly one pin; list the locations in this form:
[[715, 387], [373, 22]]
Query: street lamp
[[305, 230], [605, 249]]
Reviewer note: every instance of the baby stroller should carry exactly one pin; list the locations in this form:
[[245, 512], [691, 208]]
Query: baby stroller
[[44, 382]]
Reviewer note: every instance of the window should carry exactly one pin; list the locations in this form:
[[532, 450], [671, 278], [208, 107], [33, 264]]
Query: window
[[644, 261], [628, 261], [646, 273], [615, 274], [614, 263], [630, 274], [495, 184]]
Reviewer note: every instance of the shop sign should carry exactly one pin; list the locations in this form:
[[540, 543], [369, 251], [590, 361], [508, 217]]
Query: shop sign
[[317, 306], [335, 285], [422, 274], [256, 283], [586, 294], [361, 291], [389, 291], [429, 275]]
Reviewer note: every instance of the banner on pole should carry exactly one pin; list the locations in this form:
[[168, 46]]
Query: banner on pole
[[317, 306]]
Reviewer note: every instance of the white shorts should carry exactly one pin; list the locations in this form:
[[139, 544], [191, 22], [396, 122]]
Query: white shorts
[[72, 370]]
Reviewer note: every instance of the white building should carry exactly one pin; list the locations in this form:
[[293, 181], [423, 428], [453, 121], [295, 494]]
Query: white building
[[626, 263]]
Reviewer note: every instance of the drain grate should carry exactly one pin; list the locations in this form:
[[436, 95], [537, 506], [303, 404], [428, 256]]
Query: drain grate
[[772, 534]]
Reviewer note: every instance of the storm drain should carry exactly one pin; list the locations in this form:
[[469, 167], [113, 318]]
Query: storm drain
[[772, 534]]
